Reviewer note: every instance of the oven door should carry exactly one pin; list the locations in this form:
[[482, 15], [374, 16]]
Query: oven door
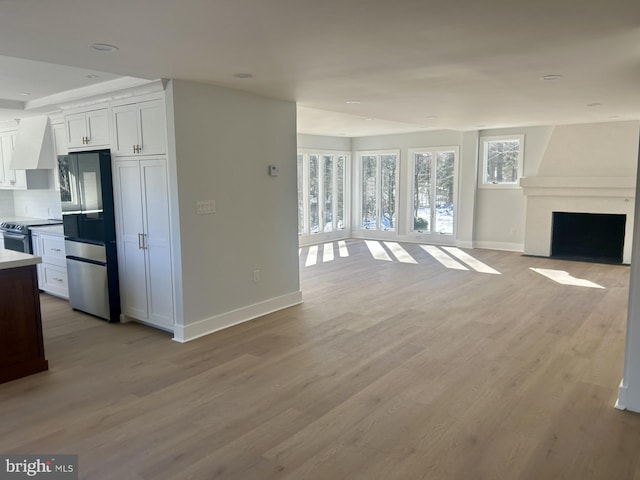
[[16, 241]]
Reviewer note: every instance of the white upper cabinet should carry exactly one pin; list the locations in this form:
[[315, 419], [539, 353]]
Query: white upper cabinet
[[6, 150], [89, 129], [139, 129], [9, 179]]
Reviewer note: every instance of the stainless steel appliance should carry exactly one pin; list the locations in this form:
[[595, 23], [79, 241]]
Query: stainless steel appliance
[[16, 234], [88, 278], [86, 194]]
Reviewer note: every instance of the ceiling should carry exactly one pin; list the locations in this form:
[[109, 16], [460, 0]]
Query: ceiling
[[411, 64]]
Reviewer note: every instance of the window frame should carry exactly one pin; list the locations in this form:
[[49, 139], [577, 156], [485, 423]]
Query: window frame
[[305, 235], [482, 163], [358, 190], [410, 191]]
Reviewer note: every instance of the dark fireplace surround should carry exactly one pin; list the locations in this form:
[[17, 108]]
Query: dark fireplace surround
[[590, 237]]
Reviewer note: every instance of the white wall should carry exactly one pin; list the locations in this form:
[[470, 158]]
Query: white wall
[[224, 142], [500, 212], [321, 142], [467, 182], [592, 150], [629, 390]]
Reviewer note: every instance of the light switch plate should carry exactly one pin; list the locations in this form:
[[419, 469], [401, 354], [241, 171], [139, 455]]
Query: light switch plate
[[205, 207]]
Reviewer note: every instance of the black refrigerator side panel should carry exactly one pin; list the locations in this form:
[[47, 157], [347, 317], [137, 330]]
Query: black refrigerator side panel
[[109, 223], [106, 180], [113, 281]]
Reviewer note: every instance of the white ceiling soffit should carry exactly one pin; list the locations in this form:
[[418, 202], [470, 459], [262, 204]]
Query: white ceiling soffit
[[451, 65], [26, 84]]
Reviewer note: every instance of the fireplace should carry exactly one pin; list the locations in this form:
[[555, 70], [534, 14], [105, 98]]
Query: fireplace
[[595, 237]]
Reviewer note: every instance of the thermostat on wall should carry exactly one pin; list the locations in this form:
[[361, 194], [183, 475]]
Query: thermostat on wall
[[274, 170]]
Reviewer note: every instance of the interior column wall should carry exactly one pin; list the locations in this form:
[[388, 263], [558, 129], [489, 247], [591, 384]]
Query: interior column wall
[[225, 141]]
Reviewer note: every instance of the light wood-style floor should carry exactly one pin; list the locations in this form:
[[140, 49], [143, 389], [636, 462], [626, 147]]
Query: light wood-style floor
[[389, 370]]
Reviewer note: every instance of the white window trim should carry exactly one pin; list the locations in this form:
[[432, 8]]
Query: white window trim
[[482, 162], [409, 201], [307, 238], [357, 192]]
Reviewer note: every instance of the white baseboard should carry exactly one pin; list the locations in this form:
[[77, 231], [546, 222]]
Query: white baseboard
[[464, 244], [621, 403], [508, 247], [186, 333]]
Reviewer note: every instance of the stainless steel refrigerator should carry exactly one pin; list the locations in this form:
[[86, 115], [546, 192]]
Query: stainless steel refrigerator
[[86, 193]]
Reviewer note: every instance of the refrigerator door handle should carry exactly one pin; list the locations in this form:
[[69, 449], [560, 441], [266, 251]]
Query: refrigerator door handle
[[141, 241]]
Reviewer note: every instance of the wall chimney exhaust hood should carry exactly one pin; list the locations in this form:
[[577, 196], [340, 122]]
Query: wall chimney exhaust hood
[[33, 149]]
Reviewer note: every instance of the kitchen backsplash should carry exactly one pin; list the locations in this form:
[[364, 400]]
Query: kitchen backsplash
[[37, 203], [6, 204]]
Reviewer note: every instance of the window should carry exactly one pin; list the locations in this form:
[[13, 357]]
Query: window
[[433, 190], [301, 196], [321, 192], [502, 160], [378, 189]]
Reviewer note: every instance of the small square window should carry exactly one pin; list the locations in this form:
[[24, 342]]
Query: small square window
[[502, 161]]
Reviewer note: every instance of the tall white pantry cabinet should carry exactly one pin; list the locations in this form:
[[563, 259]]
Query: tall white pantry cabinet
[[141, 195]]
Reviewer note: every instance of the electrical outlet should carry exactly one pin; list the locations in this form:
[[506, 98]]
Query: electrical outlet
[[205, 207], [256, 276]]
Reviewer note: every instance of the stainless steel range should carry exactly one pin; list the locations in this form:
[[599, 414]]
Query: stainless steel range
[[16, 235]]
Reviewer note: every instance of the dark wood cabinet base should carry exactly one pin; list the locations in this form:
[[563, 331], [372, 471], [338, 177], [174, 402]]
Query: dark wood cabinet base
[[21, 344]]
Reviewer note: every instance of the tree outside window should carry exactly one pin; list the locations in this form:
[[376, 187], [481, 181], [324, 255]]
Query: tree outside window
[[502, 160], [378, 190]]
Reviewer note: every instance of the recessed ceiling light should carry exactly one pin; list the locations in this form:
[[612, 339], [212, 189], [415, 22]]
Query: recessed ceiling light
[[594, 104], [24, 94], [368, 119], [92, 75], [551, 77], [431, 117], [243, 75], [103, 47], [481, 126], [352, 102]]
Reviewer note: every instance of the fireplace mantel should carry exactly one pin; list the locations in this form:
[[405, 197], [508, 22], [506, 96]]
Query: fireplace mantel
[[612, 187], [546, 195]]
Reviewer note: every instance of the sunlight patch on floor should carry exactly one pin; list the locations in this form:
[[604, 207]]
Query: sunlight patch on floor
[[312, 256], [449, 257], [443, 258], [474, 263], [400, 253], [377, 250], [565, 278], [327, 253]]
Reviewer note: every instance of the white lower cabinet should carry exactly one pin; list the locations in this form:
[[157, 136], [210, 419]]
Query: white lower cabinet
[[143, 238], [52, 272]]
